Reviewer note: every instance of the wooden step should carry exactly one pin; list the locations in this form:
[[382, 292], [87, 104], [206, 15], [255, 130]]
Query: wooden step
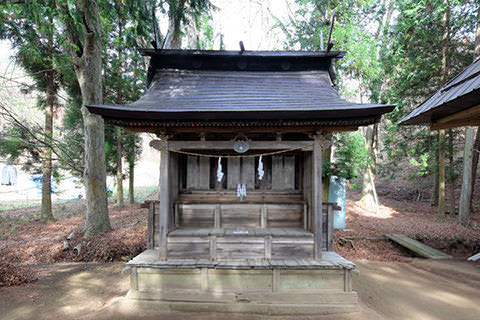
[[417, 247]]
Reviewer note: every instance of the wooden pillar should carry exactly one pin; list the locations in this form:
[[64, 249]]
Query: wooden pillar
[[330, 227], [317, 196], [164, 197], [151, 226]]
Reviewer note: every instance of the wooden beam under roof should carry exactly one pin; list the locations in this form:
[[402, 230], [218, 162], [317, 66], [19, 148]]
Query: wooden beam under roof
[[466, 117], [472, 121], [304, 129], [221, 145], [254, 145]]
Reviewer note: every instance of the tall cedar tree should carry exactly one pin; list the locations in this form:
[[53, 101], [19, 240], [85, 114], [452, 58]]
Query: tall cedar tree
[[32, 33], [469, 162]]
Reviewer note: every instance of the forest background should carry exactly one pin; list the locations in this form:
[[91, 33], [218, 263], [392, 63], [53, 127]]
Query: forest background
[[398, 52]]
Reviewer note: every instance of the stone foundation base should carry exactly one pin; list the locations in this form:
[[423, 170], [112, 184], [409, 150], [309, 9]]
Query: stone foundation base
[[275, 291]]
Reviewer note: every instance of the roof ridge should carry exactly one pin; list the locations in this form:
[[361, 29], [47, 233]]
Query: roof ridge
[[473, 75]]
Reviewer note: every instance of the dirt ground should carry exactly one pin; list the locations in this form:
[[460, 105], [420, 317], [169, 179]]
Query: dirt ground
[[421, 289]]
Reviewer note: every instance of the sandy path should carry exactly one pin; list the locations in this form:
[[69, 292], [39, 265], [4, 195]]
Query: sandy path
[[407, 291], [420, 290]]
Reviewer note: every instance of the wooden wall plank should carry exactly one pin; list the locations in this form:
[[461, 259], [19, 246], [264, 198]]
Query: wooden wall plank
[[268, 247], [193, 250], [246, 215], [204, 173], [285, 216], [231, 215], [307, 187], [193, 180], [240, 250], [263, 216], [233, 173], [156, 224], [218, 216], [213, 248], [196, 216], [329, 234], [151, 229], [276, 280], [292, 250], [278, 181], [230, 196], [289, 172], [174, 180], [283, 172], [247, 175], [347, 281]]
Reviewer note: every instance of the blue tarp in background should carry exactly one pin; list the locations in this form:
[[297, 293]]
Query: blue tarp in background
[[37, 179], [337, 194]]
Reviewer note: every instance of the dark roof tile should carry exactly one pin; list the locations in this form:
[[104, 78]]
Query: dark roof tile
[[460, 93]]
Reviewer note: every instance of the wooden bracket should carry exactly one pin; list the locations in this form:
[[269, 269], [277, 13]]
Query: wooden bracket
[[324, 142], [159, 144]]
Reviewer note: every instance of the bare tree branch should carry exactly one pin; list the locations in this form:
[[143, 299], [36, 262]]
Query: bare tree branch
[[37, 141]]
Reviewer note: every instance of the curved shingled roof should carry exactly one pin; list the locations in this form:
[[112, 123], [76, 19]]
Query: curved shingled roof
[[194, 88]]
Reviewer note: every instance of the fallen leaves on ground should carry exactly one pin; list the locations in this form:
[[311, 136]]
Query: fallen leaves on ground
[[27, 241], [11, 275], [33, 242], [415, 219]]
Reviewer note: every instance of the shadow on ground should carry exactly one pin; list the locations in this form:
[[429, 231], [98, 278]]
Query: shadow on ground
[[422, 289]]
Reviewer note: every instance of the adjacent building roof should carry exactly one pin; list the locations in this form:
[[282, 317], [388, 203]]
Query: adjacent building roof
[[226, 86], [456, 104]]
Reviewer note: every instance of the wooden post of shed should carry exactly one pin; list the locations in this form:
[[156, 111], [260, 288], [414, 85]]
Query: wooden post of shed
[[164, 197], [317, 196]]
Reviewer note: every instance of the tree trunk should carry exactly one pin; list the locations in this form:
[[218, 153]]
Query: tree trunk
[[193, 34], [174, 40], [369, 194], [476, 146], [441, 173], [466, 194], [88, 69], [451, 175], [441, 135], [434, 200], [118, 132], [131, 170], [468, 181], [46, 214]]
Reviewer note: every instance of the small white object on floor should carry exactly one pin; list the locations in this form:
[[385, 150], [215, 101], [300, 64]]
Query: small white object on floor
[[474, 257]]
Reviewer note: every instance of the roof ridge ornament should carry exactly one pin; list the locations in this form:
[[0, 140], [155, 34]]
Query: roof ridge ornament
[[242, 47]]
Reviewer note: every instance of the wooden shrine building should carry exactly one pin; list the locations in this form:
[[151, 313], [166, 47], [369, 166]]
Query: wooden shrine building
[[457, 104], [239, 223]]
